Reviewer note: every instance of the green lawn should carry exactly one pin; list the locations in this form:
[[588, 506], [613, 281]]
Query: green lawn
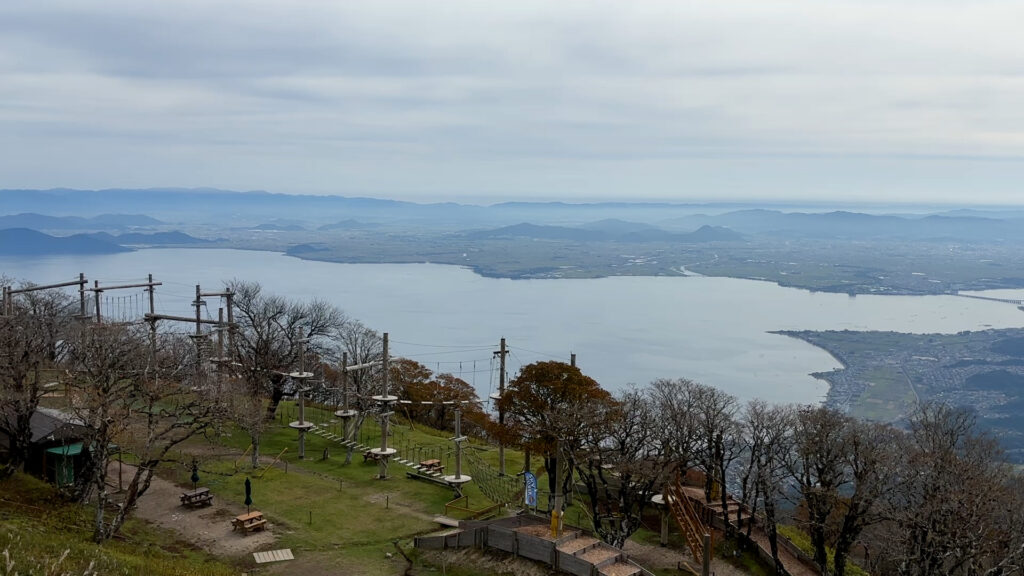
[[323, 506], [41, 534]]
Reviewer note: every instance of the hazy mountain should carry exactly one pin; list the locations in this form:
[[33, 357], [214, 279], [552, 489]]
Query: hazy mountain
[[349, 225], [617, 226], [607, 231], [855, 225], [155, 239], [44, 222], [25, 242], [304, 249], [534, 231], [272, 226]]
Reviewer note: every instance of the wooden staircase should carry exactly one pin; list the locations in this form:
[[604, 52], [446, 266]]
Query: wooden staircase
[[690, 524]]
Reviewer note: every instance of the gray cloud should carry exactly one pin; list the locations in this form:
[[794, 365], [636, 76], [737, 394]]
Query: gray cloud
[[679, 100]]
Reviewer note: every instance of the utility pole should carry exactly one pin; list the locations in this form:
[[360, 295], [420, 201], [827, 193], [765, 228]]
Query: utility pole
[[501, 353]]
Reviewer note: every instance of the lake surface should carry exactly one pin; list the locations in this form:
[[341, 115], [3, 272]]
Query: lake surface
[[623, 329]]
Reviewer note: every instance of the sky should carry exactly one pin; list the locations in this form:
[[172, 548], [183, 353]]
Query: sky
[[487, 101]]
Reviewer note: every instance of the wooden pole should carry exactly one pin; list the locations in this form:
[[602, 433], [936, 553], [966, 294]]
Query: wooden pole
[[501, 413], [96, 293]]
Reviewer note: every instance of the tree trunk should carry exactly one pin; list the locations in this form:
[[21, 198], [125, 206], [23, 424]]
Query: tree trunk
[[255, 456], [771, 527], [276, 394]]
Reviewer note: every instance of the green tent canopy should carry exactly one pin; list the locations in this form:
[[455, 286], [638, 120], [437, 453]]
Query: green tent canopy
[[69, 450]]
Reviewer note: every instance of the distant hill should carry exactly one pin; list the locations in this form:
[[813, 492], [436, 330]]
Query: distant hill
[[966, 226], [278, 227], [304, 249], [44, 222], [349, 225], [526, 230], [608, 231], [155, 239], [25, 242], [713, 234]]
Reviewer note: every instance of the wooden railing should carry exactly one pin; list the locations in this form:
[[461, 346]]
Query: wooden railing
[[471, 514], [693, 529]]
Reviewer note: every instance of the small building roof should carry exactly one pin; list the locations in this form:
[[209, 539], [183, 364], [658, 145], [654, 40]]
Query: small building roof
[[50, 424]]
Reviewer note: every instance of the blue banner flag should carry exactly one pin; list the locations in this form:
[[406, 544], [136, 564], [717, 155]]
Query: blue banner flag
[[531, 489]]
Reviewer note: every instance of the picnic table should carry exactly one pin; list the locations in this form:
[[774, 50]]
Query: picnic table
[[197, 497], [433, 465], [249, 522]]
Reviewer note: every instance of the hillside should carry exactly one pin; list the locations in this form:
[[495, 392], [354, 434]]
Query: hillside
[[25, 242], [41, 534]]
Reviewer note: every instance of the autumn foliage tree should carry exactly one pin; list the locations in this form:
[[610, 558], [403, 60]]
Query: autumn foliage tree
[[549, 407], [433, 399]]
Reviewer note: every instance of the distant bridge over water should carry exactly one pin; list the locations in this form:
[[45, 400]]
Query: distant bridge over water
[[1004, 300]]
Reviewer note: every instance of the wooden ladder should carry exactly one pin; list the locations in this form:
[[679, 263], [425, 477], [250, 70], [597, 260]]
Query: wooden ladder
[[689, 521]]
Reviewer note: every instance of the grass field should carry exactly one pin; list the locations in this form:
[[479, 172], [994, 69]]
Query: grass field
[[40, 534], [888, 396]]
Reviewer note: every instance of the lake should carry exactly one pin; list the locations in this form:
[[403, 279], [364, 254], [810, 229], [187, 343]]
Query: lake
[[623, 329]]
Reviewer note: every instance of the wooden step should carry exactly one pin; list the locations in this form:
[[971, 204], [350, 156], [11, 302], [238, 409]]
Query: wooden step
[[578, 544], [620, 569]]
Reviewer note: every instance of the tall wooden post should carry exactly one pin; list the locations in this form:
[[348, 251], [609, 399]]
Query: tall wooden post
[[502, 352], [96, 293]]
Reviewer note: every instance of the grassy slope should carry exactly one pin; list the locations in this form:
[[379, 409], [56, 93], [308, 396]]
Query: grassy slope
[[324, 507], [40, 534]]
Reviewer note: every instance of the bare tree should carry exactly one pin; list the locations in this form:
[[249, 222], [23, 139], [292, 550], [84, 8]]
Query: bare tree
[[267, 347], [622, 464], [718, 443], [817, 466], [363, 346], [142, 398], [870, 459], [952, 510], [31, 339], [673, 404], [768, 431]]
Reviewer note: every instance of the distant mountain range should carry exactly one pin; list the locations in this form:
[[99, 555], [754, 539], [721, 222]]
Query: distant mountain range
[[856, 225], [26, 242], [154, 239], [101, 222], [598, 221], [607, 231]]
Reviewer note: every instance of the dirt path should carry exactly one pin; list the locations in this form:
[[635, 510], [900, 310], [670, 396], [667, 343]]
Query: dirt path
[[208, 528], [664, 558]]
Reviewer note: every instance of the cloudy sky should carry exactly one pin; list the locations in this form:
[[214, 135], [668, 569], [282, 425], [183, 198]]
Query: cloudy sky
[[914, 101]]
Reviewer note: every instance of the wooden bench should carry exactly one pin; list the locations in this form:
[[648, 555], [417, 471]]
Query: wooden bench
[[197, 497], [432, 465], [249, 522]]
